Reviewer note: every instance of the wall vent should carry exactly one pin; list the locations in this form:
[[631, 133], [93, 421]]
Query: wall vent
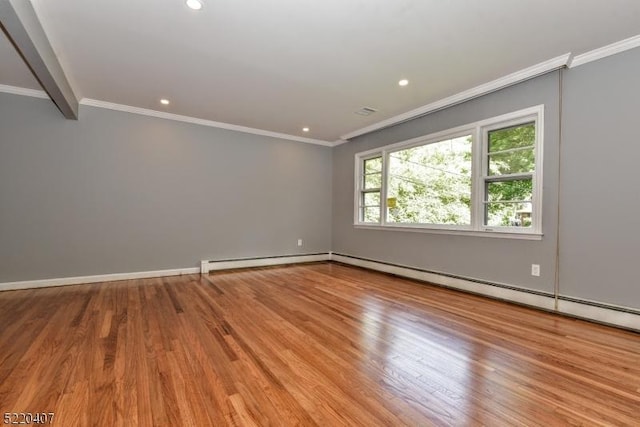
[[365, 111]]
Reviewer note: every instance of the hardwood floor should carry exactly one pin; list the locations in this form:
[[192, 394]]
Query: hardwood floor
[[317, 344]]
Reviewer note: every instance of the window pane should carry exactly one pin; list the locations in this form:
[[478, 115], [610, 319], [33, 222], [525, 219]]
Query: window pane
[[519, 161], [508, 214], [371, 199], [373, 165], [371, 214], [512, 137], [521, 189], [372, 181], [431, 183]]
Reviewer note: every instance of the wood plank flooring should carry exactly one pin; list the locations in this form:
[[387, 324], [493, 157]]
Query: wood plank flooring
[[318, 344]]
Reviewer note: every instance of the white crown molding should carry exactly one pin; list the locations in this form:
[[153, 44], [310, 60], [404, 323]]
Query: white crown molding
[[338, 142], [203, 122], [169, 116], [483, 89], [603, 52], [519, 76], [65, 281], [34, 93]]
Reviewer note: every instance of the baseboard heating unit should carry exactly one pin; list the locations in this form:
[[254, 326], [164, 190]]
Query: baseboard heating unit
[[226, 264]]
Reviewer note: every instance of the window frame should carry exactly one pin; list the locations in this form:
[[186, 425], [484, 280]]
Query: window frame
[[431, 139], [479, 132], [360, 185]]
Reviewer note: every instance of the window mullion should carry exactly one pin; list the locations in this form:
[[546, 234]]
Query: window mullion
[[358, 166], [512, 150], [504, 202], [383, 187], [537, 176], [508, 177], [478, 172]]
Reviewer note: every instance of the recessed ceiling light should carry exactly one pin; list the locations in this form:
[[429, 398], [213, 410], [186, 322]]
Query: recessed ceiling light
[[194, 4], [164, 101], [305, 129], [403, 82]]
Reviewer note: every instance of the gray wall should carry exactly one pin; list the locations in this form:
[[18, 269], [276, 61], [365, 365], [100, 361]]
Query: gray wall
[[600, 210], [497, 260], [599, 240], [117, 192]]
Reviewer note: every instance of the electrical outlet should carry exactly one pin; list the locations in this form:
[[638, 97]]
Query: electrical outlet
[[299, 242], [535, 269]]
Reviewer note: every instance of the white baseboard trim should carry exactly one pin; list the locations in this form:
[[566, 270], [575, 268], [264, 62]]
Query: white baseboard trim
[[207, 266], [600, 314], [597, 312], [498, 292], [65, 281]]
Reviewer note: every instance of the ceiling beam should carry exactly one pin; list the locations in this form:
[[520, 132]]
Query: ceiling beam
[[19, 21]]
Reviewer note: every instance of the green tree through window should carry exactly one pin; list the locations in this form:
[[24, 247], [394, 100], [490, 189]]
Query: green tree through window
[[431, 184], [509, 183], [482, 177]]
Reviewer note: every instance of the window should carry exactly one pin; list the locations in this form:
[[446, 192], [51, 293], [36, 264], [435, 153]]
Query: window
[[370, 184], [482, 177], [508, 180], [431, 183]]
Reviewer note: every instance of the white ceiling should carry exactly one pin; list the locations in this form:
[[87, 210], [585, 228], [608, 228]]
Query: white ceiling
[[282, 65]]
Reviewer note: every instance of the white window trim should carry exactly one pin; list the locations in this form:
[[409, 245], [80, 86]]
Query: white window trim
[[359, 175], [479, 131]]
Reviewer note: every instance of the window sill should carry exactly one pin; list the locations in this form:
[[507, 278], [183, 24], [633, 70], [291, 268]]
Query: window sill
[[455, 232]]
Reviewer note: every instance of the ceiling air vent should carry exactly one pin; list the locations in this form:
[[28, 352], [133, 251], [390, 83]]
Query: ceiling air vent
[[365, 111]]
